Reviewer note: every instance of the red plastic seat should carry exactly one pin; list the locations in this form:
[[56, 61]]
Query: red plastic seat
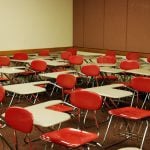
[[132, 56], [129, 64], [38, 65], [76, 60], [142, 85], [148, 59], [44, 52], [4, 61], [72, 50], [20, 56], [106, 59], [21, 120], [110, 53], [134, 114], [69, 137], [92, 71], [65, 55]]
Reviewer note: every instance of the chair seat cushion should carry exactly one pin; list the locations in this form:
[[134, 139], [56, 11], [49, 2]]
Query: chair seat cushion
[[60, 107], [69, 137], [130, 113]]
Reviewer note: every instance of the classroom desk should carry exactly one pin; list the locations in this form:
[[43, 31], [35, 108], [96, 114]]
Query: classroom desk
[[111, 70], [88, 54], [55, 74], [25, 89], [45, 117], [141, 71], [9, 72], [111, 91]]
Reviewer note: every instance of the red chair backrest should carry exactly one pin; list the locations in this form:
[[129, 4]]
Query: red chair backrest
[[4, 61], [66, 81], [72, 50], [90, 70], [20, 56], [76, 60], [106, 59], [65, 55], [44, 52], [2, 93], [133, 56], [110, 53], [129, 64], [39, 65], [141, 84], [86, 100], [148, 59], [19, 119]]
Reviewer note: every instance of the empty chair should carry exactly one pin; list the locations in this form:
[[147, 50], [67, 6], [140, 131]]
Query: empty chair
[[106, 59], [92, 72], [140, 85], [21, 120], [72, 50], [148, 59], [110, 53], [129, 64], [20, 56], [132, 56], [4, 61], [44, 52], [76, 61], [76, 138], [134, 115], [65, 55], [67, 84]]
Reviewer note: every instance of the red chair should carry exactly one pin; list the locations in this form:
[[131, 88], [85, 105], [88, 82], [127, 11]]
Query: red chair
[[4, 61], [131, 114], [92, 72], [75, 138], [76, 60], [72, 50], [133, 56], [110, 53], [66, 82], [71, 138], [20, 56], [21, 120], [65, 55], [38, 65], [148, 59], [106, 59], [140, 85], [44, 52], [128, 65], [86, 101]]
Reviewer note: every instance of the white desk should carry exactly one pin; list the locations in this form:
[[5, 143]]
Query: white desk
[[111, 70], [141, 71], [88, 54], [10, 71], [55, 74], [110, 91], [25, 89], [45, 117]]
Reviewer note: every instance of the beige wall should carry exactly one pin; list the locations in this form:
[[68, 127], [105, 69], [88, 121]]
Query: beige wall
[[29, 24], [112, 24]]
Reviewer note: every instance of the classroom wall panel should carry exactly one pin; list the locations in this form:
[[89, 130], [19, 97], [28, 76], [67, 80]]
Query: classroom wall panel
[[78, 17], [93, 23], [115, 24], [138, 33], [29, 24]]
